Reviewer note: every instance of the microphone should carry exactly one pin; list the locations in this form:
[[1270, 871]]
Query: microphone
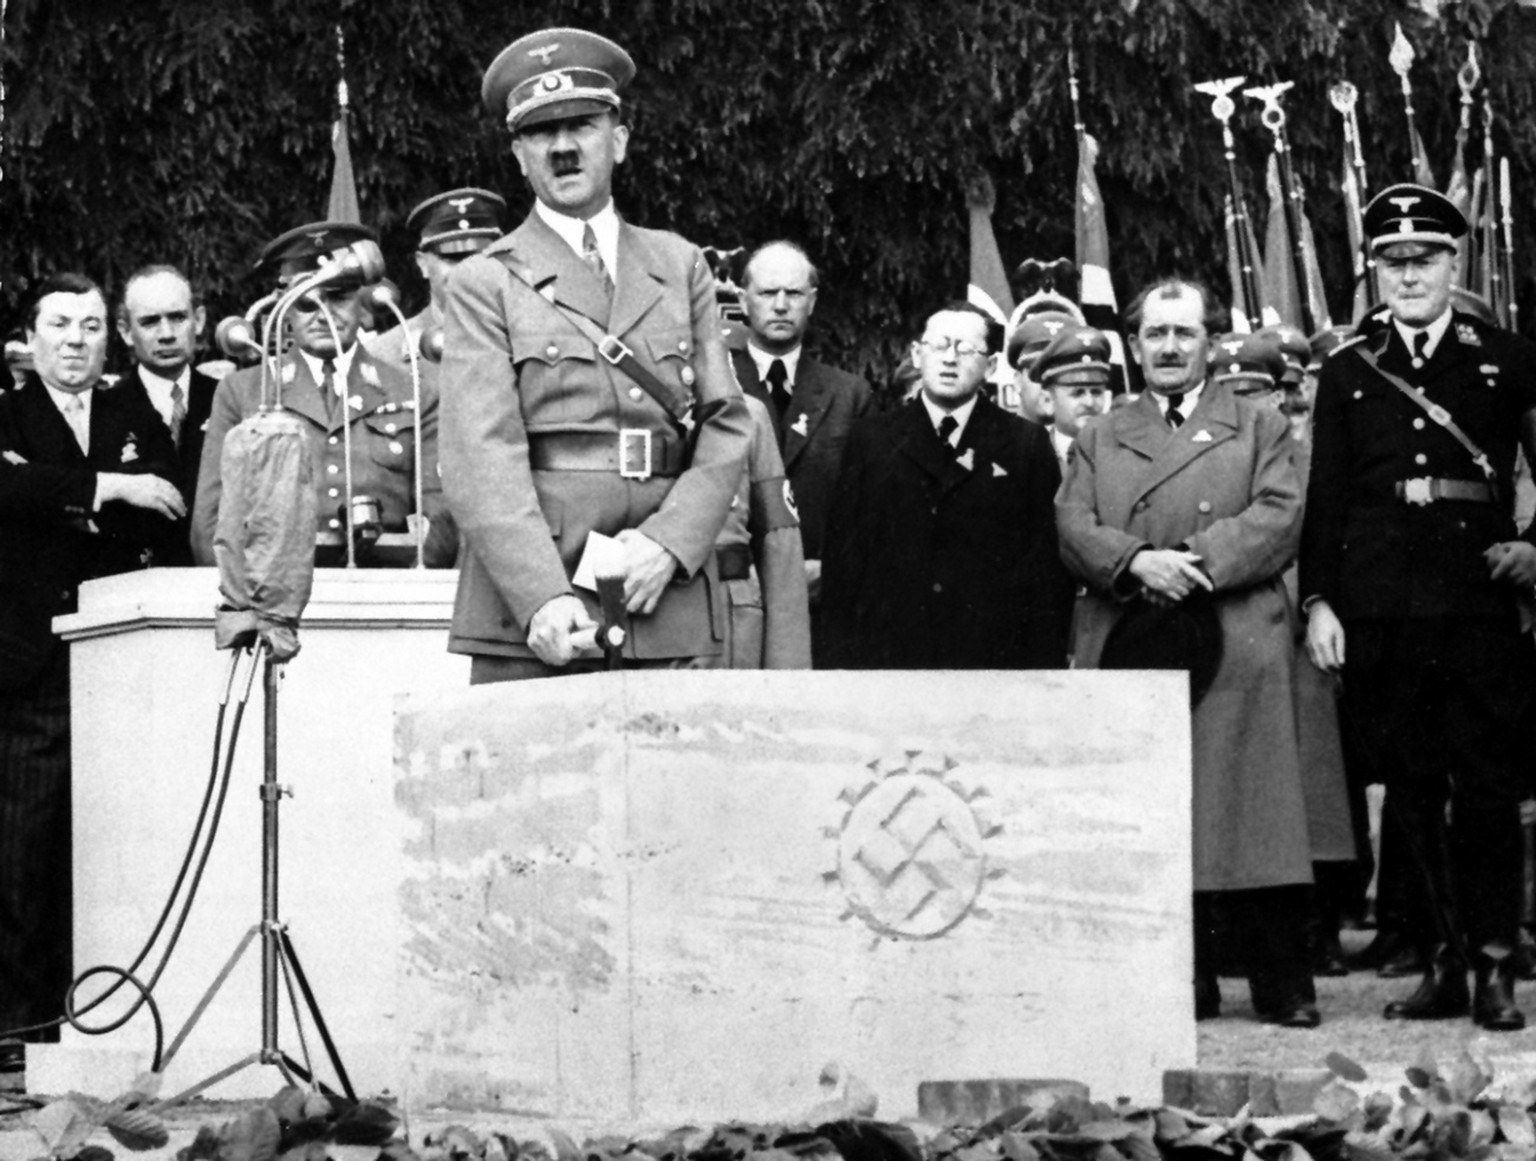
[[381, 296], [362, 260], [237, 339], [431, 346]]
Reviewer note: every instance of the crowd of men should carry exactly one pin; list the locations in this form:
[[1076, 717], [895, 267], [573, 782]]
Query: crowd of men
[[598, 451]]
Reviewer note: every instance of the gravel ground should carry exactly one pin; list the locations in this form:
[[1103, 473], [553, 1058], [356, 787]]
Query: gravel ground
[[1352, 1024]]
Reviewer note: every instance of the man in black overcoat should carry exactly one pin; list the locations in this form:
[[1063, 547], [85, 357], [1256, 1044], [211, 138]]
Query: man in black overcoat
[[941, 547]]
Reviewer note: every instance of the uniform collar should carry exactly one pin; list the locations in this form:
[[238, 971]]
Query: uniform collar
[[342, 363], [605, 227], [1435, 330]]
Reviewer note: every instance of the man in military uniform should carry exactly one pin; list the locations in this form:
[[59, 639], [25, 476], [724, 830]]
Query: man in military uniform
[[762, 562], [450, 227], [349, 400], [1075, 369], [1025, 341], [588, 403], [1411, 568]]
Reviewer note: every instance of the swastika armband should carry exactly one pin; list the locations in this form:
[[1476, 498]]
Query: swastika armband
[[773, 506]]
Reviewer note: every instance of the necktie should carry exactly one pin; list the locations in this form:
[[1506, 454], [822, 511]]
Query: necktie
[[1175, 416], [328, 388], [178, 413], [947, 428], [778, 389], [594, 259], [1420, 348], [74, 413]]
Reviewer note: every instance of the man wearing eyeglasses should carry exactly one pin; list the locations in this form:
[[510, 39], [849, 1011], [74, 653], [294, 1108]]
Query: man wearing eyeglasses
[[1189, 497], [346, 396], [941, 545]]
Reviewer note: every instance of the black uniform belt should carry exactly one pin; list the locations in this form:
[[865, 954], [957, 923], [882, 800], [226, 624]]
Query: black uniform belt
[[734, 561], [1428, 489], [636, 453]]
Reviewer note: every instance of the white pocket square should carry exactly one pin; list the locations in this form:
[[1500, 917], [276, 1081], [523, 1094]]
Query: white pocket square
[[1202, 436], [998, 470]]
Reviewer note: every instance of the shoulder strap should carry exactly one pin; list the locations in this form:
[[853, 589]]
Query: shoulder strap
[[1440, 415], [677, 404]]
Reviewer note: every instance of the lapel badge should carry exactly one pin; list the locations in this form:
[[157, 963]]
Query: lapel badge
[[802, 424], [1467, 333], [967, 459], [1489, 368], [204, 428], [1201, 436], [998, 470], [370, 374], [11, 457], [547, 292], [130, 450], [290, 370], [355, 402]]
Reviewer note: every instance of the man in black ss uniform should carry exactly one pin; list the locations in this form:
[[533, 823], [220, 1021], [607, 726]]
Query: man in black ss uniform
[[1411, 570]]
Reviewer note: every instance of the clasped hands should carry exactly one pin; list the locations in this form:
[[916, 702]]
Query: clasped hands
[[562, 630], [1169, 575]]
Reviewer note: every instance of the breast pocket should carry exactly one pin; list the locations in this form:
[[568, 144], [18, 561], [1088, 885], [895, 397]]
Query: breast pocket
[[392, 439], [556, 377], [671, 357]]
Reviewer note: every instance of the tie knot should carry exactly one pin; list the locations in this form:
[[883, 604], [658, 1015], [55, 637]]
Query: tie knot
[[778, 374], [74, 404], [177, 394], [947, 427]]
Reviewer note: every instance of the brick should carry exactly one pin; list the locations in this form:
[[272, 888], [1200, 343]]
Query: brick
[[974, 1101]]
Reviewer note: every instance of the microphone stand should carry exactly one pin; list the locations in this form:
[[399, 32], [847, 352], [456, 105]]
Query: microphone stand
[[278, 955], [279, 958]]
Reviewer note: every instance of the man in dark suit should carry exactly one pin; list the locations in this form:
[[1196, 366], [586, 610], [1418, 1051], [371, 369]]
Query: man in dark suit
[[159, 319], [588, 406], [360, 415], [941, 539], [85, 491], [1410, 558], [813, 406]]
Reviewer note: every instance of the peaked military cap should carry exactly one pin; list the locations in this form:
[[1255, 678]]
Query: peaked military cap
[[1077, 354], [1326, 341], [553, 74], [301, 249], [1033, 334], [1256, 357], [460, 221], [1408, 213], [1294, 347]]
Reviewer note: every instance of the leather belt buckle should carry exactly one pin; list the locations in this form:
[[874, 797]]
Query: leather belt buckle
[[613, 349], [635, 453], [1418, 491]]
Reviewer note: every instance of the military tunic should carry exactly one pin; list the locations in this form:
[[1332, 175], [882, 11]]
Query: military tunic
[[383, 443], [1437, 676]]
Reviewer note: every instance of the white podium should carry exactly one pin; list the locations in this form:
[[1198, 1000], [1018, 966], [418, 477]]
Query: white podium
[[145, 680]]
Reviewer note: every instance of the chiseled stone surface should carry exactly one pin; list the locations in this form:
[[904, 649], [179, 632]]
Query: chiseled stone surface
[[672, 896]]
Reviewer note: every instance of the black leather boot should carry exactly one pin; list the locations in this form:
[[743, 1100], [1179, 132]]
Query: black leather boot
[[1441, 994], [1493, 1002]]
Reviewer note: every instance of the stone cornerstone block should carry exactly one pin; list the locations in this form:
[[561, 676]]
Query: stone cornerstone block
[[675, 896]]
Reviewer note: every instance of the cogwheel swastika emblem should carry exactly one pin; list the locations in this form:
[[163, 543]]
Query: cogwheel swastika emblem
[[911, 848]]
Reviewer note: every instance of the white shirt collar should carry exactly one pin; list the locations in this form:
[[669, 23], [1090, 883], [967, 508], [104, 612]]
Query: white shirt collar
[[61, 398], [1062, 442], [1435, 330], [763, 360], [343, 363], [1186, 405], [605, 227], [962, 415], [159, 390]]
